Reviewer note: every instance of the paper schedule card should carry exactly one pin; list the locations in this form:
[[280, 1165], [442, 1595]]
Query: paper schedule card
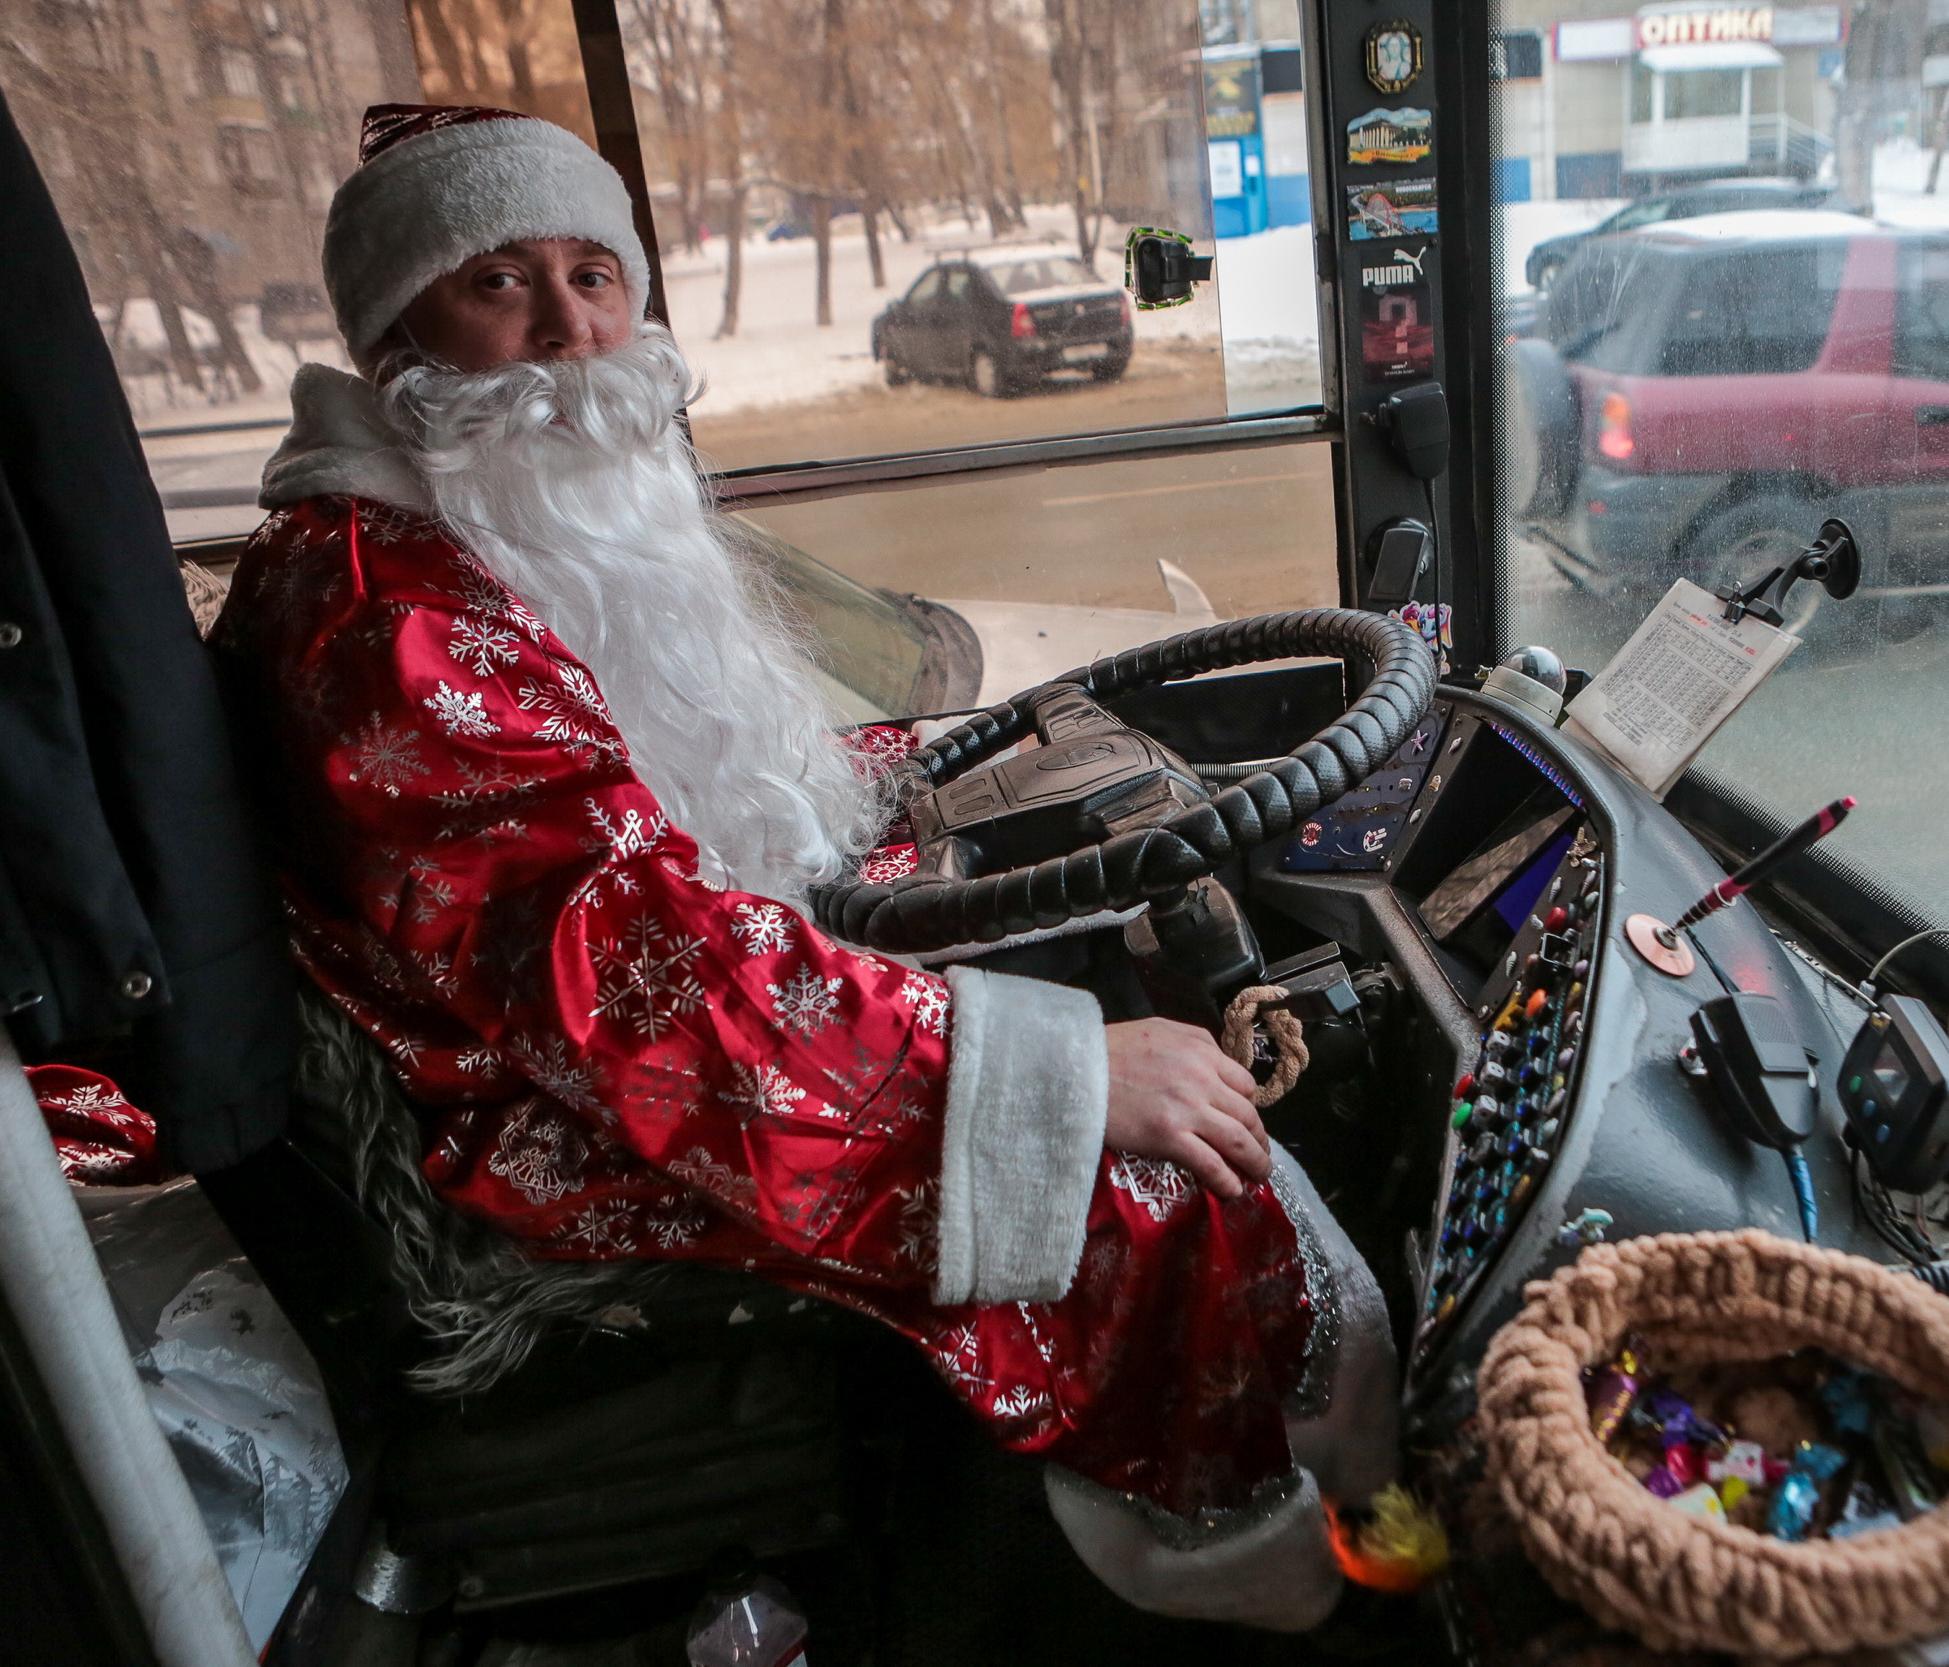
[[1684, 672]]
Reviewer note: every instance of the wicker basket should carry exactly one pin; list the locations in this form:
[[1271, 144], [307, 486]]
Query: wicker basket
[[1628, 1557]]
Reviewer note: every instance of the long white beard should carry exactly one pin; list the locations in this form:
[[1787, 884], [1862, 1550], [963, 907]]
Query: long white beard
[[573, 485]]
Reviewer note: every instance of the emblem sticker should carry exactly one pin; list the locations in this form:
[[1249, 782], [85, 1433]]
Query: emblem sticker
[[1398, 137], [1392, 51], [1393, 208]]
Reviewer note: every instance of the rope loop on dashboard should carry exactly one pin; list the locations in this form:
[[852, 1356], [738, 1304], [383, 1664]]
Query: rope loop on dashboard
[[1287, 1035]]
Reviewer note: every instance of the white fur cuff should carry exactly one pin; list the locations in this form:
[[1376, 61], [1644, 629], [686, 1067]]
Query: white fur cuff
[[1028, 1086], [1272, 1568]]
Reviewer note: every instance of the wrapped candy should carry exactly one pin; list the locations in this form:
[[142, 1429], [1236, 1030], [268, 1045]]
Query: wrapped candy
[[1611, 1395], [1795, 1500], [1676, 1418], [1684, 1462], [1663, 1483], [1819, 1461], [1733, 1489], [1850, 1401], [1701, 1501], [1743, 1461]]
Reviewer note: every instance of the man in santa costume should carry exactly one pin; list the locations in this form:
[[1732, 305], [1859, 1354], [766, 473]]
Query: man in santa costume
[[554, 776]]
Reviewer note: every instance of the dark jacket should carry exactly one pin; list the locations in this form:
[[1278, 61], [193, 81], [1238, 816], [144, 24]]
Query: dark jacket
[[132, 903]]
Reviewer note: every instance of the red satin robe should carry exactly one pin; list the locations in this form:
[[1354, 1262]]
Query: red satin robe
[[615, 1059]]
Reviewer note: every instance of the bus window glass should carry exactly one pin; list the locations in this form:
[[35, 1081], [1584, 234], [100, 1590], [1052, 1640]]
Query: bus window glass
[[798, 194], [1724, 273], [999, 157], [192, 155]]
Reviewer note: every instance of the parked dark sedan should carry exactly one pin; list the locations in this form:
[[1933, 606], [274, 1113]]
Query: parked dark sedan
[[1719, 196], [1001, 320]]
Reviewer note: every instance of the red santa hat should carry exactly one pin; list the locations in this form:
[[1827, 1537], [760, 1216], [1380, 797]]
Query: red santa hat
[[437, 185]]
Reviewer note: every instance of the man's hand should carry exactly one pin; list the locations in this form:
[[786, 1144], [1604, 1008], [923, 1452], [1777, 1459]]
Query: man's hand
[[1175, 1095]]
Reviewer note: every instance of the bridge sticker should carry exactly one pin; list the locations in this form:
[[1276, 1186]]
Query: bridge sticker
[[1392, 208]]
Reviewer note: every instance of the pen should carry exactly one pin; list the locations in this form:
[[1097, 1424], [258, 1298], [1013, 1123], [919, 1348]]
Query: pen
[[1817, 827]]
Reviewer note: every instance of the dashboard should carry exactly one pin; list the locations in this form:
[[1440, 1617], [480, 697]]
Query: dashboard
[[1538, 1095]]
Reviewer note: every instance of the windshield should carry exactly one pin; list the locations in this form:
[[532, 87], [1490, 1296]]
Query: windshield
[[1696, 397], [194, 160], [1044, 272], [871, 646]]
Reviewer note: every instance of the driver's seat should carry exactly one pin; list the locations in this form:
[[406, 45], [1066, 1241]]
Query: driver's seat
[[569, 1426]]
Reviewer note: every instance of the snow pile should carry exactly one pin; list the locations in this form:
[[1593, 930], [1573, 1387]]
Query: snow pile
[[1901, 175]]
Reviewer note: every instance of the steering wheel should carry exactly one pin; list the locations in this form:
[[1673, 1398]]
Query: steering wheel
[[1159, 827]]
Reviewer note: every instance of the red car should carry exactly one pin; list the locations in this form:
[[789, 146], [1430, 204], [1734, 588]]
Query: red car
[[1700, 396]]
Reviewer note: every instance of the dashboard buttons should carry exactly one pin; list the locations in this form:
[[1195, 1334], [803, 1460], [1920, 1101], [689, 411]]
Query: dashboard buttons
[[1510, 1106]]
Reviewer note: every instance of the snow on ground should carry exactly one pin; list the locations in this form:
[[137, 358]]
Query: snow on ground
[[1266, 311], [1524, 225], [1901, 175]]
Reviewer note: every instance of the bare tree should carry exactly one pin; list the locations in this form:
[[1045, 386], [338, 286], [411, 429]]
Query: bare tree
[[1884, 44], [668, 31], [730, 98]]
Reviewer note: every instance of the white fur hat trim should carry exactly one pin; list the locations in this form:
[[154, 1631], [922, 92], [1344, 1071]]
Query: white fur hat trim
[[428, 205]]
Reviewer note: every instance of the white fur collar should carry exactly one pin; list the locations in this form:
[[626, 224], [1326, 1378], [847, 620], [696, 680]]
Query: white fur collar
[[338, 446]]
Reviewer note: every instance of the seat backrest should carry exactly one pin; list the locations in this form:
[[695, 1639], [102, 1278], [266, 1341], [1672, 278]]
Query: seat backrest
[[482, 1301]]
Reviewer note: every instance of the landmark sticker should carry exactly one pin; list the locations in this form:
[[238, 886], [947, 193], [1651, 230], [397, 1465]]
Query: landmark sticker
[[1398, 137], [1392, 208], [1397, 315]]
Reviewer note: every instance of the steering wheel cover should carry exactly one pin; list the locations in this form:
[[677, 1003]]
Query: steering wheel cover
[[931, 912]]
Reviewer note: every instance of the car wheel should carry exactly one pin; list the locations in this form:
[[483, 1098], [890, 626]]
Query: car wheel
[[1744, 542], [1110, 369], [1546, 276], [1542, 431], [897, 374], [985, 376]]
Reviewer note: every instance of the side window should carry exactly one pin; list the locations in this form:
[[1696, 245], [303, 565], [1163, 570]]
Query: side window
[[928, 287], [1922, 312], [958, 281], [192, 152], [1763, 313], [1642, 214]]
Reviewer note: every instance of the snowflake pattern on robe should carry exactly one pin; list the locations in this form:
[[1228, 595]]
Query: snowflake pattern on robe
[[660, 1065], [598, 1230], [760, 1091], [926, 994], [539, 1154], [458, 713], [805, 1002], [479, 592], [99, 1138], [482, 646], [893, 862], [763, 928], [648, 977], [387, 755], [1158, 1186], [572, 712]]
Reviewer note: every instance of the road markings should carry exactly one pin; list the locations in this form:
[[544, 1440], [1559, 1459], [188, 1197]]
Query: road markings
[[1177, 486]]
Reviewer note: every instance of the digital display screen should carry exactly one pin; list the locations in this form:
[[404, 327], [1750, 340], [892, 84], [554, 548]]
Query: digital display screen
[[1499, 833], [1527, 847], [1517, 899]]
